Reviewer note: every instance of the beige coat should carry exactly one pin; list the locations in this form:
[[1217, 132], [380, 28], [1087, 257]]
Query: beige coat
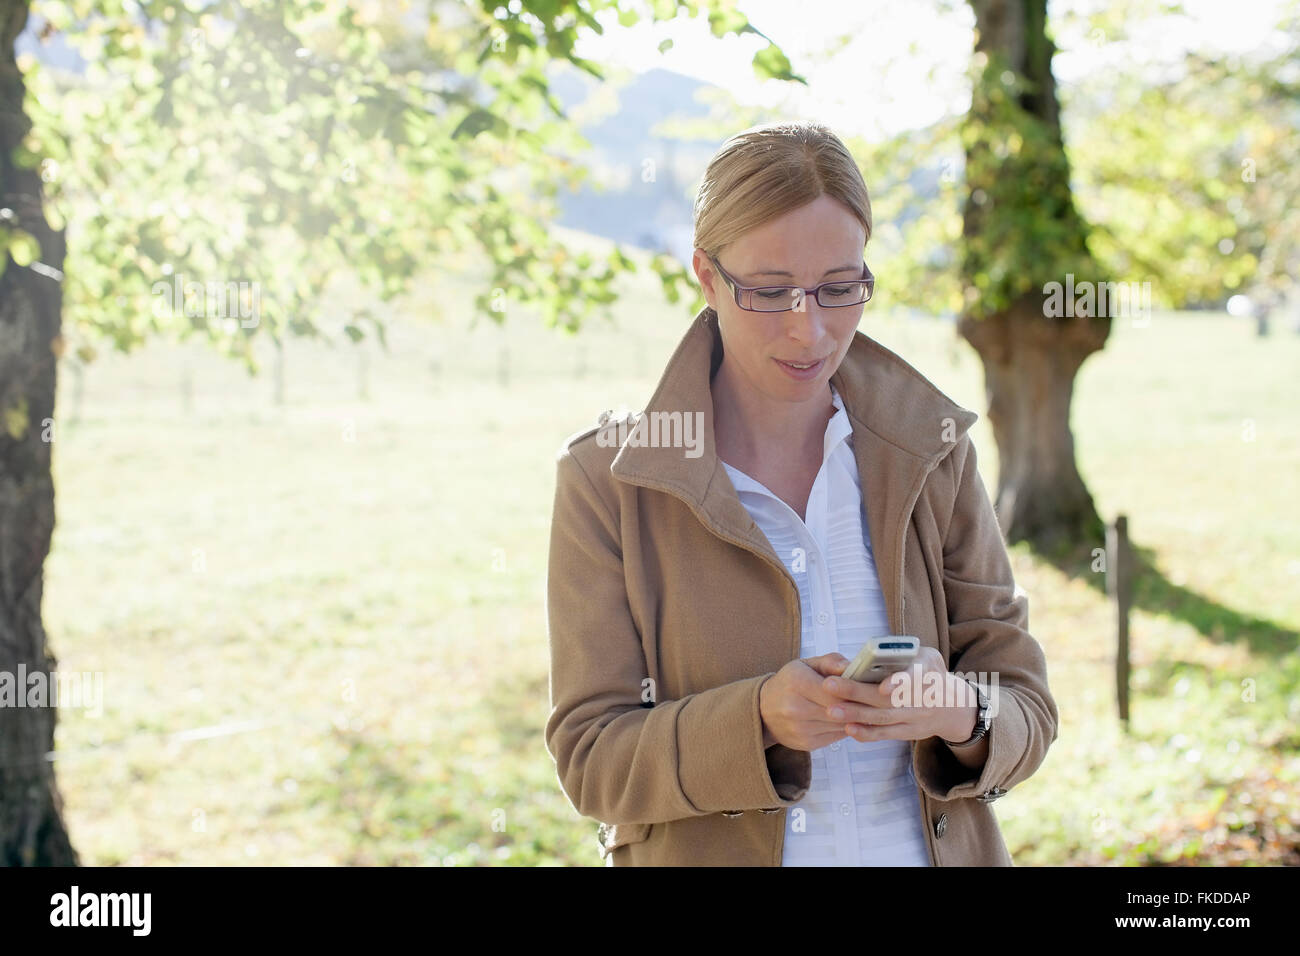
[[668, 609]]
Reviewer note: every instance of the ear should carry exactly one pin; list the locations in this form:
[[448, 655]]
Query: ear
[[709, 279]]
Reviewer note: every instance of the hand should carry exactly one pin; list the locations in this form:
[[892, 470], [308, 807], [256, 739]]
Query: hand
[[868, 711], [793, 704]]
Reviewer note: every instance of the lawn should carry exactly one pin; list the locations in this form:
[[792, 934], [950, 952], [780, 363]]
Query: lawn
[[321, 624]]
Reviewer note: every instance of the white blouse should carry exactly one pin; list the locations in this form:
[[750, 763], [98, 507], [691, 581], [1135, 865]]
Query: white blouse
[[863, 807]]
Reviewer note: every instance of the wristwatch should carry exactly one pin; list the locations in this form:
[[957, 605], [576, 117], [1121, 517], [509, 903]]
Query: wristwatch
[[982, 720]]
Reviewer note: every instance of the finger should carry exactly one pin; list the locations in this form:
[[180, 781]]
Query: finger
[[811, 715], [811, 686], [929, 659], [846, 712], [827, 665], [820, 723], [896, 688], [904, 730], [872, 695], [819, 740]]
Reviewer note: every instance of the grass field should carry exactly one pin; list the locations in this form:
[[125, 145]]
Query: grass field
[[321, 624]]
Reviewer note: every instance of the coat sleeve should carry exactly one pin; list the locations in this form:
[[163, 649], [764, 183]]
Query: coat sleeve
[[621, 758], [987, 631]]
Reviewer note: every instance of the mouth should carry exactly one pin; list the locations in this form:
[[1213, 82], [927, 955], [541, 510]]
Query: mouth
[[801, 370]]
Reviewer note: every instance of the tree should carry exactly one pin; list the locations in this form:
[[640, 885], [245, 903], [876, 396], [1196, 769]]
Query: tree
[[1193, 187], [31, 824], [1021, 232], [1189, 192], [218, 163], [1182, 172]]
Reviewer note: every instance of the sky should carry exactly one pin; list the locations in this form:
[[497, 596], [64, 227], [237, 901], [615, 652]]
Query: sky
[[900, 65]]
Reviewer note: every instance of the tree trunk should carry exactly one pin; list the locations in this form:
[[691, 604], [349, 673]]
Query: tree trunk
[[1029, 358], [1029, 368], [31, 298]]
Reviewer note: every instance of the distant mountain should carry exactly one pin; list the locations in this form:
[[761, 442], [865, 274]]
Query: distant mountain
[[649, 179]]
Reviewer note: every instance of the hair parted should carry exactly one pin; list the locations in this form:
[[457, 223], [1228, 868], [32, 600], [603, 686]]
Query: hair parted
[[766, 171]]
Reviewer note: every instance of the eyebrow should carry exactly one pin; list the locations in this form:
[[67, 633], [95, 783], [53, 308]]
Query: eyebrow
[[779, 272]]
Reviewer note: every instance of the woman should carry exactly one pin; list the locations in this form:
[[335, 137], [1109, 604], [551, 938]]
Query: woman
[[791, 489]]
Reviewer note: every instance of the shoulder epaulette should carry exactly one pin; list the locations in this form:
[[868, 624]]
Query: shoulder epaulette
[[609, 418]]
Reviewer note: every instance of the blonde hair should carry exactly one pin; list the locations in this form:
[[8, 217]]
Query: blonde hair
[[765, 172]]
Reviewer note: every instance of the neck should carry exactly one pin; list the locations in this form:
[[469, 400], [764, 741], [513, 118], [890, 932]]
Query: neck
[[750, 426]]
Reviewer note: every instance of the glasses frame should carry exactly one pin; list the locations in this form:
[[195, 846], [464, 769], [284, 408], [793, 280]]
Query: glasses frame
[[815, 291]]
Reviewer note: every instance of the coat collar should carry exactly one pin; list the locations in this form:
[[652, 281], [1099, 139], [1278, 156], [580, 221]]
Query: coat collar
[[902, 427]]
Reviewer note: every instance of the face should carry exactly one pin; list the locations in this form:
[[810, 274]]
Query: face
[[819, 242]]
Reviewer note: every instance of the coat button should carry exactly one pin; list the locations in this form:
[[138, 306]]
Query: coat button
[[770, 809], [732, 813], [941, 826]]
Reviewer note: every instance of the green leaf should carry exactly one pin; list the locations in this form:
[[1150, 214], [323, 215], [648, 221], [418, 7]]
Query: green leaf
[[23, 247], [664, 9], [722, 22], [771, 63], [475, 122], [17, 420]]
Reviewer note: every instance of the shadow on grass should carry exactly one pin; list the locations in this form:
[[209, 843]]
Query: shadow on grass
[[1156, 594], [385, 804], [371, 796]]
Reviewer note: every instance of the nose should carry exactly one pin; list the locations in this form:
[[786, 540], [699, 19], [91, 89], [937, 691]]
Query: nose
[[805, 326]]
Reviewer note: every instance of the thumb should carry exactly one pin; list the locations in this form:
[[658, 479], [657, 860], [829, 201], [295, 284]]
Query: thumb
[[828, 665]]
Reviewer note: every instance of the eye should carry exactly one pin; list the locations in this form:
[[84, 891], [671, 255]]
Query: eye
[[771, 293], [839, 289]]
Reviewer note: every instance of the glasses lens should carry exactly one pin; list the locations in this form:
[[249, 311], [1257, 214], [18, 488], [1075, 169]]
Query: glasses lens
[[775, 299], [785, 298], [843, 293]]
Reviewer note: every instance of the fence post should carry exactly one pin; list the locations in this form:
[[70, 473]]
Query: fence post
[[279, 372], [1119, 582]]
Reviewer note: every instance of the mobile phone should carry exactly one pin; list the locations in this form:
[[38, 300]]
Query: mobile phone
[[882, 656]]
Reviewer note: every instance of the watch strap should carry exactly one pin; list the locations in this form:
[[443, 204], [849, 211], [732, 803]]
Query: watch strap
[[982, 722]]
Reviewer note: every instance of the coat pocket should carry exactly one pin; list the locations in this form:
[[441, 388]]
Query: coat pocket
[[621, 834]]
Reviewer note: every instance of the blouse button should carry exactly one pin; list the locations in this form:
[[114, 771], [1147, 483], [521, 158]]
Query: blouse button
[[821, 617]]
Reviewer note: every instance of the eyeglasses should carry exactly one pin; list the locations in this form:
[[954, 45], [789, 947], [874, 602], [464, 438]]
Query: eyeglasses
[[835, 294]]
